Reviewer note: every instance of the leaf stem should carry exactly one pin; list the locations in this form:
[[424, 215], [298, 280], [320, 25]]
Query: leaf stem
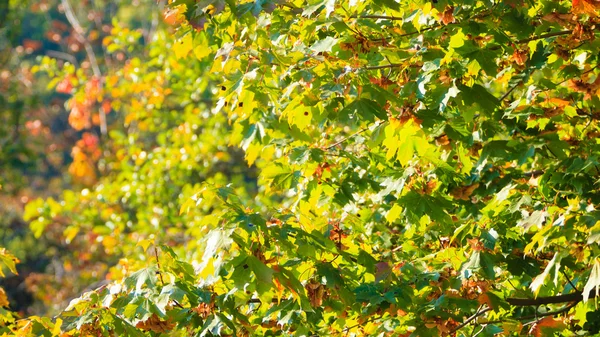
[[158, 265]]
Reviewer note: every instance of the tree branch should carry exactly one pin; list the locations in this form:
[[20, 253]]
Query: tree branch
[[385, 66], [538, 37], [573, 297], [509, 91], [544, 36], [382, 17], [63, 56], [478, 313], [90, 53]]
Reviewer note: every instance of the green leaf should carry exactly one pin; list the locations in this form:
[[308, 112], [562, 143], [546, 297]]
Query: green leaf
[[364, 109], [324, 45]]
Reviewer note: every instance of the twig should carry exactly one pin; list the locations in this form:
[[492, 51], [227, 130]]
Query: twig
[[154, 22], [549, 313], [583, 73], [569, 280], [391, 65], [64, 56], [158, 265], [383, 17], [538, 37], [478, 313], [385, 66], [509, 91], [543, 36], [359, 324], [533, 173], [352, 136], [90, 53]]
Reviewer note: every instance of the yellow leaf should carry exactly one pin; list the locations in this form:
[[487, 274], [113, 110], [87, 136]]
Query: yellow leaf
[[393, 213], [109, 242], [390, 141], [146, 243], [252, 153], [70, 233], [3, 298], [183, 46], [56, 331], [202, 48], [302, 117], [457, 40], [209, 269]]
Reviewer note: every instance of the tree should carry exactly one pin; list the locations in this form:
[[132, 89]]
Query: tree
[[36, 137], [424, 168]]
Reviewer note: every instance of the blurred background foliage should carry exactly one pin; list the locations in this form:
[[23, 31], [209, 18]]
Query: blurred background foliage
[[68, 72]]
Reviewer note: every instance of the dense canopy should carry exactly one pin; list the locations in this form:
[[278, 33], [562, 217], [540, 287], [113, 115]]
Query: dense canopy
[[334, 168]]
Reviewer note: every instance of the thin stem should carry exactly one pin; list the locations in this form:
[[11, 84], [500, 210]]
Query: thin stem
[[158, 265], [64, 56], [509, 91], [352, 136], [385, 66], [478, 313], [569, 280], [534, 38], [391, 65], [543, 36], [383, 17], [583, 73]]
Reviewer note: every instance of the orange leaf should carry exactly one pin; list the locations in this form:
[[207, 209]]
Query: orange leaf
[[448, 16], [589, 7], [538, 329]]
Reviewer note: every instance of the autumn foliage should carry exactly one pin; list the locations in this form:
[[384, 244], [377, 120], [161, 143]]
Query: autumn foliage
[[331, 168]]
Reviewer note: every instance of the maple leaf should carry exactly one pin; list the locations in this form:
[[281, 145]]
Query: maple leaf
[[155, 324], [464, 193], [589, 7], [447, 17], [546, 326]]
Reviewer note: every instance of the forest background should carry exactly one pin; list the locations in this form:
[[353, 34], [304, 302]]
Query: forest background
[[313, 168]]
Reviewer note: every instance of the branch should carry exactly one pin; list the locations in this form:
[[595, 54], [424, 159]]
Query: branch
[[158, 265], [352, 135], [391, 65], [383, 17], [478, 313], [573, 297], [509, 91], [63, 56], [154, 23], [543, 36], [90, 53], [385, 66], [549, 313], [539, 37], [533, 173], [568, 279]]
